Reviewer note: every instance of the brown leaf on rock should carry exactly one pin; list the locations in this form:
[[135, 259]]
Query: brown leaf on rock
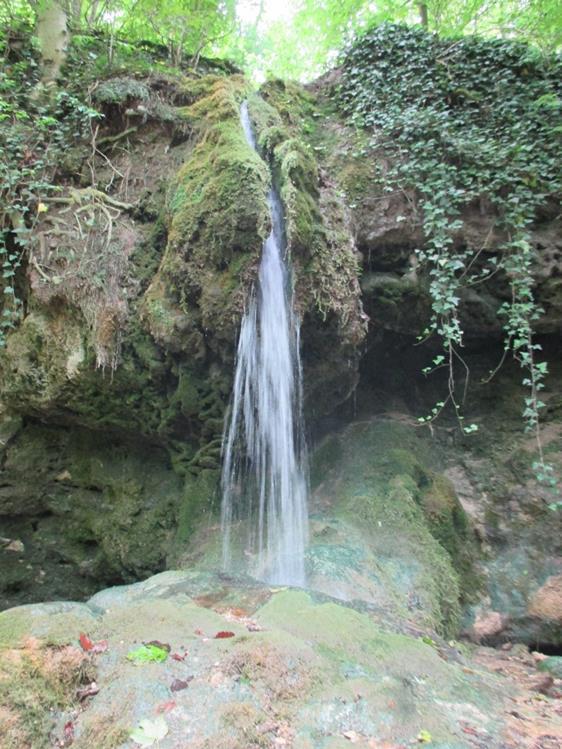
[[68, 733], [88, 646], [158, 644], [85, 643], [166, 707], [179, 684]]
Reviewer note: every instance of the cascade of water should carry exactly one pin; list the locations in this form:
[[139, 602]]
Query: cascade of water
[[264, 455]]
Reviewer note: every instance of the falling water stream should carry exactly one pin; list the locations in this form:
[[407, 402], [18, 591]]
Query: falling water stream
[[264, 456]]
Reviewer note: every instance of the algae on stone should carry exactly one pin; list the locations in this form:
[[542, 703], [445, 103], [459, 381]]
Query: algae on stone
[[376, 488]]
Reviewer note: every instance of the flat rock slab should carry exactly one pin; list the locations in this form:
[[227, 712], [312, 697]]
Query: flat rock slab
[[263, 667]]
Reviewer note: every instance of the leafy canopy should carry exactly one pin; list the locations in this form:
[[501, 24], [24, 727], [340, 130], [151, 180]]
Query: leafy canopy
[[294, 39]]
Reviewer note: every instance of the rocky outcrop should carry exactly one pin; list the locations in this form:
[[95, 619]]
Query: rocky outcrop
[[385, 528], [141, 266], [271, 667], [79, 511]]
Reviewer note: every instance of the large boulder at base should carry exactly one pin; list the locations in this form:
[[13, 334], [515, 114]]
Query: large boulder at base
[[255, 667]]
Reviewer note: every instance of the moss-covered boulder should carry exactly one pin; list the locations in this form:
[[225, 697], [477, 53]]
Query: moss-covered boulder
[[309, 670], [386, 525], [80, 509]]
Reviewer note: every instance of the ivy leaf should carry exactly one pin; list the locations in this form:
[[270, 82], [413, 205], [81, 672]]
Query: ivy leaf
[[147, 654]]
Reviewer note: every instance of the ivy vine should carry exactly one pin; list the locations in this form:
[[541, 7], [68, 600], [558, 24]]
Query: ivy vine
[[467, 121], [34, 134]]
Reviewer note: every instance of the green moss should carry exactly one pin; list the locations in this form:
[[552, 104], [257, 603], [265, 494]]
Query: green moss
[[384, 478], [200, 493], [103, 734], [14, 625], [322, 251], [217, 217], [121, 90], [114, 502], [223, 180], [449, 524], [34, 682]]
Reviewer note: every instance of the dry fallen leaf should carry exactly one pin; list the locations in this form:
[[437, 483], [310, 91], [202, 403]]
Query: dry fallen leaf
[[93, 647], [68, 733], [179, 684], [85, 642], [166, 707]]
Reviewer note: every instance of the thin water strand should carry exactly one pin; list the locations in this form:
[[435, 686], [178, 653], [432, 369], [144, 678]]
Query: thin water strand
[[264, 457]]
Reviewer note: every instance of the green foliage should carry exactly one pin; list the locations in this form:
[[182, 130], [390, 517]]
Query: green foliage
[[474, 122], [308, 43], [299, 39], [148, 654], [33, 135], [181, 25]]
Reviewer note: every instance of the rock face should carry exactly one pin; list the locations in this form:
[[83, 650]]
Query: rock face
[[546, 603], [290, 669], [115, 382]]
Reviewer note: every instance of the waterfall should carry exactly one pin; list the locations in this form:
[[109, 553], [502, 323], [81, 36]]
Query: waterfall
[[264, 455]]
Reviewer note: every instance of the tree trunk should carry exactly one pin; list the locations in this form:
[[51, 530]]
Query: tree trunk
[[75, 13], [424, 20], [52, 30]]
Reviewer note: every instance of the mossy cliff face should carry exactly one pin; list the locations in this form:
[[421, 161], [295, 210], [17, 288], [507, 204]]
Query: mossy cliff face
[[387, 213], [217, 218], [135, 286], [390, 521], [321, 246], [84, 510]]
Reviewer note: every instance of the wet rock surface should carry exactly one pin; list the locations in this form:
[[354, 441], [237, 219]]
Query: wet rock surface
[[255, 666]]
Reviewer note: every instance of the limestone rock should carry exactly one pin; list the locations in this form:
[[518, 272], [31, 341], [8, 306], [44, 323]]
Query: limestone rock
[[546, 603], [487, 624]]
